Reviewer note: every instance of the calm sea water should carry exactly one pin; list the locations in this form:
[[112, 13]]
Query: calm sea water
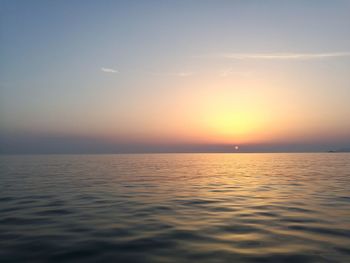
[[175, 208]]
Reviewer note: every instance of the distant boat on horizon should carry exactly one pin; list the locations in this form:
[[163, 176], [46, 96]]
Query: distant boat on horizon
[[343, 150]]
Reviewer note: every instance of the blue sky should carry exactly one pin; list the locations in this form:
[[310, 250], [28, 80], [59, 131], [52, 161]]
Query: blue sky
[[155, 73]]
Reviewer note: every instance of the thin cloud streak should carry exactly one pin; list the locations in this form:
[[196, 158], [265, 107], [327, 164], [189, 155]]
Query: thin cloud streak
[[182, 74], [230, 71], [281, 56], [109, 70]]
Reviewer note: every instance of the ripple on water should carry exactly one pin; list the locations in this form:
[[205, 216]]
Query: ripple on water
[[175, 208]]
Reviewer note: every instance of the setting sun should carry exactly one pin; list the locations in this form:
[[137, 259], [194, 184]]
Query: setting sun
[[234, 126]]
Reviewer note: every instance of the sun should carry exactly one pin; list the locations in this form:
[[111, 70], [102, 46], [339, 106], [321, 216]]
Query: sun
[[236, 147], [230, 126]]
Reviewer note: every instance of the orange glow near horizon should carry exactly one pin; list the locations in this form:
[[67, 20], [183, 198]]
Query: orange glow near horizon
[[207, 109], [234, 126], [240, 111]]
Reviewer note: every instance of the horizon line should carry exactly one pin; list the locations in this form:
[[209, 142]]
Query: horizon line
[[170, 152]]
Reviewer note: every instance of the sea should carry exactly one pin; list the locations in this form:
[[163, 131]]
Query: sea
[[241, 207]]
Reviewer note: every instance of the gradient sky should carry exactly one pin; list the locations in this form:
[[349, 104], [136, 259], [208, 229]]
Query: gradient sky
[[129, 76]]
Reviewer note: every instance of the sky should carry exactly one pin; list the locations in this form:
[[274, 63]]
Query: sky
[[174, 76]]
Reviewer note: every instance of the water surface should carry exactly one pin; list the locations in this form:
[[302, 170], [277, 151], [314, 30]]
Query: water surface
[[175, 208]]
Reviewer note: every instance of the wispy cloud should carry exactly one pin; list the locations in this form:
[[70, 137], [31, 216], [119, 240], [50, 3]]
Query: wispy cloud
[[230, 71], [181, 74], [280, 56], [109, 70]]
